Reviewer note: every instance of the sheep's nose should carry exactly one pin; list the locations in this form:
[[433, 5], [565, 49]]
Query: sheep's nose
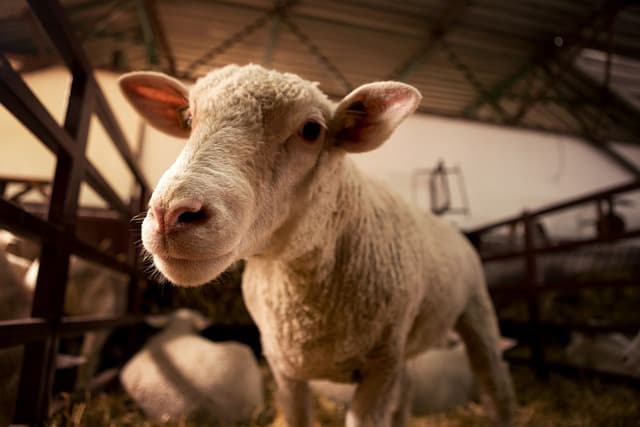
[[178, 215]]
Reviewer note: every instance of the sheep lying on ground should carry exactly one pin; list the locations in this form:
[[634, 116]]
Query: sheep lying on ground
[[179, 374], [612, 352], [441, 379], [344, 280]]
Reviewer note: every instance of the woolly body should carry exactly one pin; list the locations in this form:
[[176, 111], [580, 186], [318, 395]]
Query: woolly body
[[363, 273], [343, 278]]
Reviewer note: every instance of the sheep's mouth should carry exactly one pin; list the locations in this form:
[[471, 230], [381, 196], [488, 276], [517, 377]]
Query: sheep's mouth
[[184, 271]]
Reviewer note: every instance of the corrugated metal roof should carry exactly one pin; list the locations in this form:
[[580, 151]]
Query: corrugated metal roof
[[564, 66]]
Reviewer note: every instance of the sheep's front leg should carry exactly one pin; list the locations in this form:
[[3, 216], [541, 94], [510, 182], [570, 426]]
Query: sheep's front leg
[[294, 400], [378, 396]]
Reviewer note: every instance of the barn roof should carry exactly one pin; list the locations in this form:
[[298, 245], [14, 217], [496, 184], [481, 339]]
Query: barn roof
[[562, 66]]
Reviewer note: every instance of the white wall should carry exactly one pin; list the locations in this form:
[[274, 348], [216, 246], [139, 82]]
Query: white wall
[[505, 170]]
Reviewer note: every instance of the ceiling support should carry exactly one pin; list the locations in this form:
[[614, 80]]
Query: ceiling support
[[155, 37], [148, 35], [589, 131], [315, 51], [443, 24], [546, 53]]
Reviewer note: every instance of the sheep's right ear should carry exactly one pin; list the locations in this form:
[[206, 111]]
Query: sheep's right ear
[[162, 100]]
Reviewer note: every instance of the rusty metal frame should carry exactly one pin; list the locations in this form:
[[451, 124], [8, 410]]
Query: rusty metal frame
[[534, 330], [41, 333]]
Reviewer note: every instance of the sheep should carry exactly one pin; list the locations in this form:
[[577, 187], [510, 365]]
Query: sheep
[[611, 352], [343, 278], [179, 375], [92, 290], [441, 379]]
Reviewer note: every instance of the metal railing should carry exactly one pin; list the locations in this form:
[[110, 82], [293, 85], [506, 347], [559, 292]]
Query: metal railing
[[41, 334], [532, 287]]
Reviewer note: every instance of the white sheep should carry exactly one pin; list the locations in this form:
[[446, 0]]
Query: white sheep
[[441, 379], [92, 290], [344, 280], [610, 352], [179, 375]]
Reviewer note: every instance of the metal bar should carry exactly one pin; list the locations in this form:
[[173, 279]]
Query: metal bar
[[77, 325], [102, 187], [51, 14], [469, 75], [238, 36], [515, 289], [272, 41], [533, 300], [22, 331], [623, 188], [23, 223], [115, 133], [590, 136], [543, 54], [91, 253], [148, 34], [38, 367], [549, 328], [315, 51], [453, 11], [562, 247], [16, 96], [160, 34]]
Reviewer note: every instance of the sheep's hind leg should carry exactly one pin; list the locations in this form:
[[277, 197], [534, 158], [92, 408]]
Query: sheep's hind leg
[[294, 400], [478, 328]]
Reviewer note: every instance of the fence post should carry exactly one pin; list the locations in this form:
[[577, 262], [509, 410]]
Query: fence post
[[538, 360]]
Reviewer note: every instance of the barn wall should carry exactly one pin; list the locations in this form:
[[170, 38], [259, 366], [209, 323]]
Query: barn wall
[[498, 164]]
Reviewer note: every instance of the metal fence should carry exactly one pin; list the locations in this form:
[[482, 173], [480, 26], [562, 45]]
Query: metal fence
[[57, 235], [534, 330]]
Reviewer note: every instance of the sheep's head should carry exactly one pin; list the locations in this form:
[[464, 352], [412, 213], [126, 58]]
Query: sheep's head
[[256, 140]]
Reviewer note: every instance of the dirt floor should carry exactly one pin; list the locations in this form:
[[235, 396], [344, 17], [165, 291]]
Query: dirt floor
[[560, 401]]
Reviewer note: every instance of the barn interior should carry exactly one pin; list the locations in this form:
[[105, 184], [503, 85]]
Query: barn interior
[[526, 139]]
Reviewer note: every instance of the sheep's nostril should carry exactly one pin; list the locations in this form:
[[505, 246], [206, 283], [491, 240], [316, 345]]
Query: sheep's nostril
[[191, 217]]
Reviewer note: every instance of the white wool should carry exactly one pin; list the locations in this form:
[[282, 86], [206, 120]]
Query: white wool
[[179, 375], [343, 278]]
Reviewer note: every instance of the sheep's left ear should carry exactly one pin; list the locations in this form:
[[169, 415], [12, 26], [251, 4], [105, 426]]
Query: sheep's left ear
[[160, 99], [366, 117]]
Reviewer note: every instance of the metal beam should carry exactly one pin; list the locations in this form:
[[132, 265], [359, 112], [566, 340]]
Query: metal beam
[[148, 35], [315, 51], [272, 41], [455, 60], [605, 19], [233, 39], [589, 136], [545, 53], [442, 25]]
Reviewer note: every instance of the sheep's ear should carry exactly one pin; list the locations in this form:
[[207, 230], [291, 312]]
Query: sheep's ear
[[366, 117], [160, 99]]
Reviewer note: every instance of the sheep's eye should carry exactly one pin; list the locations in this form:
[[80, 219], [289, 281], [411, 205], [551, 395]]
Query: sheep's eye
[[311, 131]]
